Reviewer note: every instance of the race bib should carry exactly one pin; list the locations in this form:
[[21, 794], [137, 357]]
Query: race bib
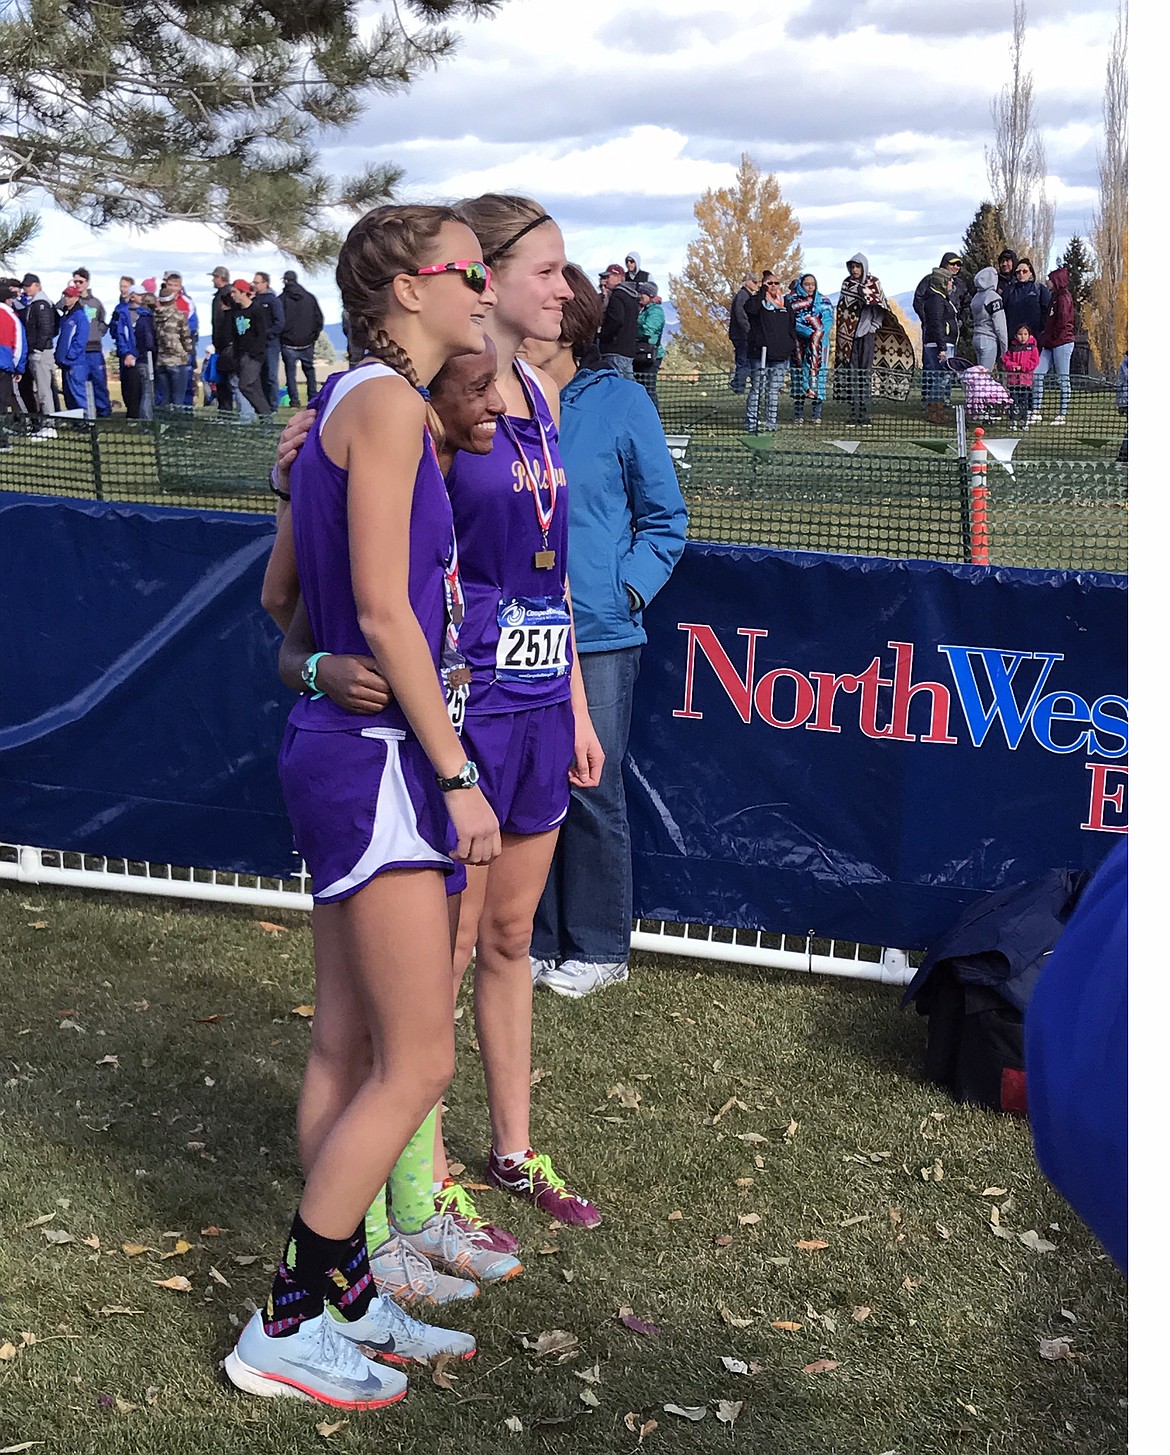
[[534, 639]]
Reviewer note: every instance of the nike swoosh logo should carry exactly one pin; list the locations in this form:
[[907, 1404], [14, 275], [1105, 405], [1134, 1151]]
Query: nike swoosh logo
[[371, 1384]]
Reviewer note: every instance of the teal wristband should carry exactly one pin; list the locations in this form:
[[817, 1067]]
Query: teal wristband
[[309, 673]]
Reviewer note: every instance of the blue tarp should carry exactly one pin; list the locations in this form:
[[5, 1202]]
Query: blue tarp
[[852, 746]]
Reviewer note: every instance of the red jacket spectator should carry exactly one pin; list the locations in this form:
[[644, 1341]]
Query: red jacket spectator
[[1058, 326]]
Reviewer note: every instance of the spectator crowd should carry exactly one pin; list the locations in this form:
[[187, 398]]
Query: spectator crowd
[[53, 354]]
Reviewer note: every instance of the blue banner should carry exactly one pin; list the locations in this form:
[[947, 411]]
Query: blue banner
[[140, 712], [858, 748], [849, 746]]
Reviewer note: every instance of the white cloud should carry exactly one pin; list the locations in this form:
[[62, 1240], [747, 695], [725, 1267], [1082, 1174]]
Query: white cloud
[[874, 114]]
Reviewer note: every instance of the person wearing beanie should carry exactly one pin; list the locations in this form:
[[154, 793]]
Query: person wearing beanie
[[959, 295], [303, 322], [648, 350], [173, 335], [69, 353], [940, 333], [618, 339], [1005, 267]]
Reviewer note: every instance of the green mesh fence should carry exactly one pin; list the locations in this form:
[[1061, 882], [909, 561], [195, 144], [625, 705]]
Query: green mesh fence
[[1057, 497]]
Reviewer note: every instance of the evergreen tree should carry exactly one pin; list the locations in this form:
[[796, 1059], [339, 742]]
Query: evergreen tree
[[141, 111], [742, 229], [1079, 262]]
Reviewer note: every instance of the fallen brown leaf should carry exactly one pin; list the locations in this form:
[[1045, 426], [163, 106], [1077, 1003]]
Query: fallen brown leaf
[[861, 1313], [8, 1351], [789, 1326], [208, 1020], [821, 1366], [674, 1217], [327, 1429], [41, 1221], [441, 1374], [178, 1284], [733, 1320], [211, 1231], [181, 1246], [108, 1061], [723, 1240], [306, 1012], [811, 1245], [270, 929], [748, 1220], [57, 1236]]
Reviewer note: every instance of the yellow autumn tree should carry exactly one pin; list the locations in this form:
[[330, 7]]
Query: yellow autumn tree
[[742, 229]]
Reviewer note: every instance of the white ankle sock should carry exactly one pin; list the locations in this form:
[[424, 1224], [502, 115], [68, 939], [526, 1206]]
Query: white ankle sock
[[514, 1157]]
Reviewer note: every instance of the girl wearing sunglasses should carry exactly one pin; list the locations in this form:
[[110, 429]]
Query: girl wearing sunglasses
[[384, 809], [526, 726]]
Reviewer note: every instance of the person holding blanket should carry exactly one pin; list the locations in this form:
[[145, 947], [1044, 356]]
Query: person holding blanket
[[812, 316], [384, 809]]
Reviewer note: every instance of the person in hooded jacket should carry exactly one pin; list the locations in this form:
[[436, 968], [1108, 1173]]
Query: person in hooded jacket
[[989, 336], [940, 332], [627, 529], [303, 323], [1025, 302], [1056, 347], [861, 311], [635, 272], [651, 325], [959, 296], [812, 315]]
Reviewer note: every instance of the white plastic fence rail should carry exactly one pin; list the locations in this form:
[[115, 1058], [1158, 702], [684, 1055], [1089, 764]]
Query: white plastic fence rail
[[25, 864]]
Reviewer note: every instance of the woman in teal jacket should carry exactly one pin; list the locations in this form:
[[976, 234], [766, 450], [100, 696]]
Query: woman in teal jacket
[[813, 319], [627, 529]]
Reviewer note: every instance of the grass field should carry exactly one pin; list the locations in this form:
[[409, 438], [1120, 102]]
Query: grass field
[[151, 1063]]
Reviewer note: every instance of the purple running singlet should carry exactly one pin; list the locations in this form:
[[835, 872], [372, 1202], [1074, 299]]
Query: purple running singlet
[[515, 632], [511, 514], [360, 791]]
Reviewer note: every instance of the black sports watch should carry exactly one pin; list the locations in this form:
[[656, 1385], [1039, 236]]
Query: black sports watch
[[467, 777]]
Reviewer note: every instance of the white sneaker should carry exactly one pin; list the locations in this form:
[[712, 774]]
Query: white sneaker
[[46, 432], [540, 967], [385, 1332], [312, 1363], [443, 1241], [1035, 417], [576, 979], [1060, 419], [408, 1278]]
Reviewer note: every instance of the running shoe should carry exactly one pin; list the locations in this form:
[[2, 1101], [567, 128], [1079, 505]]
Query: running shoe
[[314, 1363], [455, 1201], [1060, 419], [540, 967], [534, 1179], [385, 1332], [408, 1278], [444, 1243], [575, 978]]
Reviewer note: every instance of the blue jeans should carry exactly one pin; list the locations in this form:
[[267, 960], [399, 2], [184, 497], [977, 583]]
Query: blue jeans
[[767, 379], [936, 377], [270, 372], [624, 365], [586, 910], [292, 357], [739, 376], [1059, 359], [172, 383]]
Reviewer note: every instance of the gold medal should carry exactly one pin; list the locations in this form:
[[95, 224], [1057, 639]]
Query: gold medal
[[544, 560]]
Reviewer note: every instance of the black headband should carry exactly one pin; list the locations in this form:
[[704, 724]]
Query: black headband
[[515, 238]]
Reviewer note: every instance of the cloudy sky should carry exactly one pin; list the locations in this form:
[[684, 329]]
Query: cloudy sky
[[874, 115]]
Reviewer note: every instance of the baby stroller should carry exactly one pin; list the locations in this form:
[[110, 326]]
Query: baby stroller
[[985, 400]]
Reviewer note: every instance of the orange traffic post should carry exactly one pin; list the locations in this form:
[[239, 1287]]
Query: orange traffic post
[[979, 497]]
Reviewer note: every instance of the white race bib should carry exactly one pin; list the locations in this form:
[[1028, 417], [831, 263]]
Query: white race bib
[[534, 639]]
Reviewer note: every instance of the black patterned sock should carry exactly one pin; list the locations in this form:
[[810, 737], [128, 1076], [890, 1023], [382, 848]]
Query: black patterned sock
[[295, 1295]]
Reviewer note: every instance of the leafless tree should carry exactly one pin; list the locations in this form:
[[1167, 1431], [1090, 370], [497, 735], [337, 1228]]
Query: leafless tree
[[1042, 229], [1107, 317], [1016, 163]]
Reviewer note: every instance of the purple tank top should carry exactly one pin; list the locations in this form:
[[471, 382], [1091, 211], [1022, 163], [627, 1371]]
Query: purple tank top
[[515, 633], [321, 536]]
